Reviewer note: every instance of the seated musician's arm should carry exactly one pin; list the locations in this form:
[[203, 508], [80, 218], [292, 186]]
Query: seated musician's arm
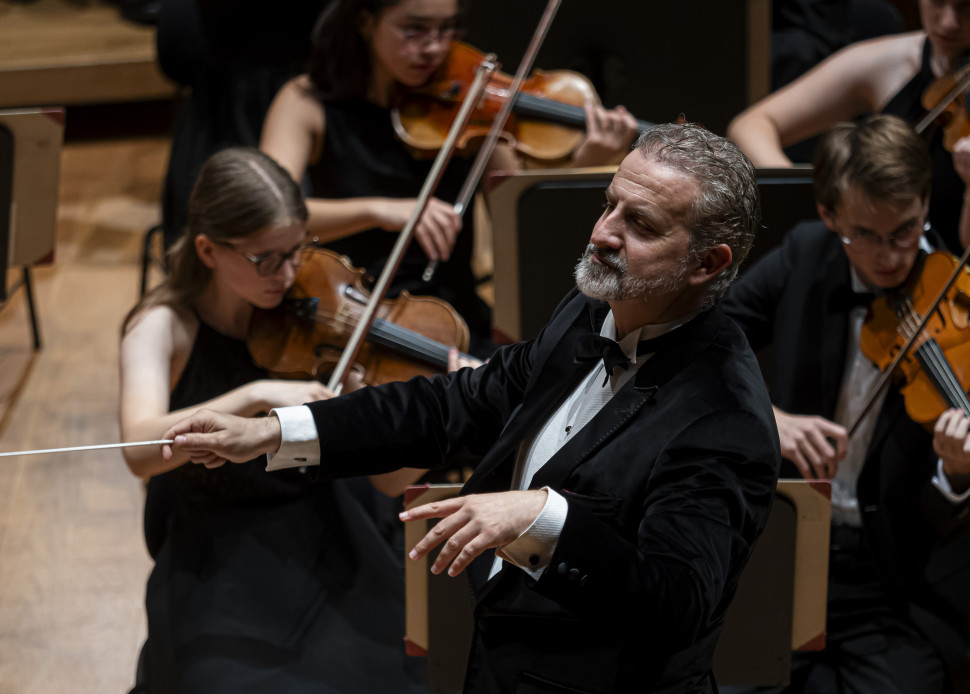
[[855, 80]]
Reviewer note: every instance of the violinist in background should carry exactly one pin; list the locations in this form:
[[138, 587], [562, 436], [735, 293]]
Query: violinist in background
[[225, 540], [898, 604], [884, 75], [333, 125]]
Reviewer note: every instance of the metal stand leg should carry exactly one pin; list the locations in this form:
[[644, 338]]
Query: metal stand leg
[[29, 292]]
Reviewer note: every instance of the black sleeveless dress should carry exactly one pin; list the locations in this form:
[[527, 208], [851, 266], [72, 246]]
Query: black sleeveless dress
[[264, 582], [362, 157], [946, 195]]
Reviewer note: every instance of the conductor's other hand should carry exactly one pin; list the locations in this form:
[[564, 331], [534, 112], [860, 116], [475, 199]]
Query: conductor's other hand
[[814, 444], [471, 524], [211, 438], [436, 230]]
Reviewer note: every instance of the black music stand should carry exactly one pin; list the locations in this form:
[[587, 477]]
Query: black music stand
[[30, 148], [542, 219], [6, 207]]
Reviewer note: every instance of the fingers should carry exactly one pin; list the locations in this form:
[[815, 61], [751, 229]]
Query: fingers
[[950, 440], [456, 361], [460, 537], [814, 444], [437, 229], [466, 543], [437, 509]]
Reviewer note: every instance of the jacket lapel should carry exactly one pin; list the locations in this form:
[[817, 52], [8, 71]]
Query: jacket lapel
[[645, 387], [557, 374]]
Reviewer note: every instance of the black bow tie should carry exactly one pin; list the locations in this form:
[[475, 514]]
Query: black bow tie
[[592, 348], [844, 299]]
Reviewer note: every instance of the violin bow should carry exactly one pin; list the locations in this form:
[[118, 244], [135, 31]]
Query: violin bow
[[959, 88], [887, 373], [488, 66], [491, 140]]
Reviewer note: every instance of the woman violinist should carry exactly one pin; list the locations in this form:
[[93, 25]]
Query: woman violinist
[[884, 75], [333, 125], [250, 592]]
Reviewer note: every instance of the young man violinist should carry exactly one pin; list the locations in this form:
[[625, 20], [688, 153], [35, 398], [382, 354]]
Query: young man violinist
[[898, 603]]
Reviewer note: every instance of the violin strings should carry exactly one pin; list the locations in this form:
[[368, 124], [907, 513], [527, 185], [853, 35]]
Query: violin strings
[[412, 342], [932, 358]]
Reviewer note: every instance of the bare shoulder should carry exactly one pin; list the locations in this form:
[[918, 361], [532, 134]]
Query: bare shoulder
[[162, 327], [885, 64], [298, 98]]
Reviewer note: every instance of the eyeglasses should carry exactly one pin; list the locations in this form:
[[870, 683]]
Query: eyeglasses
[[423, 35], [270, 263], [903, 239]]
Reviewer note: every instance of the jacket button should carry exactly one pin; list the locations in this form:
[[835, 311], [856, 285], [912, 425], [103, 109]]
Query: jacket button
[[533, 559], [562, 569], [574, 574]]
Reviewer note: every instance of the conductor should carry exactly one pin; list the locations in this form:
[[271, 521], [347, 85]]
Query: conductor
[[627, 456]]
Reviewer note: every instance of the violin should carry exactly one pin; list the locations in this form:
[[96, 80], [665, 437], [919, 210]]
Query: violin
[[305, 335], [947, 104], [934, 374], [549, 118]]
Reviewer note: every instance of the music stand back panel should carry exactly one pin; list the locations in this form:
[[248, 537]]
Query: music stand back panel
[[542, 221]]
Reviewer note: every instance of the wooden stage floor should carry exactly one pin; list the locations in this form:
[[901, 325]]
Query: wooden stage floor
[[73, 564], [72, 560]]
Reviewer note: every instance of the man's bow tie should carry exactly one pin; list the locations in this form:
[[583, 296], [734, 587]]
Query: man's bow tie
[[592, 348], [844, 299]]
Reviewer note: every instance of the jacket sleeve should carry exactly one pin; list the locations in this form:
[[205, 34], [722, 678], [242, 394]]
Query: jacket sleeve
[[424, 423]]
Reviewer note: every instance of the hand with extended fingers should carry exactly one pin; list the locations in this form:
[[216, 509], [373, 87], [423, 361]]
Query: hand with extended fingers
[[471, 524]]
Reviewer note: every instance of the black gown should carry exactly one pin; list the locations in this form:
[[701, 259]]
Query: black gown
[[265, 582], [362, 157], [946, 195]]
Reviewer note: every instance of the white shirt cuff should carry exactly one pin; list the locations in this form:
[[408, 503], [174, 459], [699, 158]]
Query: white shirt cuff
[[300, 446], [532, 550], [941, 482]]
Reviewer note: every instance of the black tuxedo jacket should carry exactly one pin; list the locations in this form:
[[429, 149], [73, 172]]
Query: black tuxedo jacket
[[790, 300], [667, 487]]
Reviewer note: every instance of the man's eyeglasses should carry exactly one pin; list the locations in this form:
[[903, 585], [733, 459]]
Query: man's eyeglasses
[[270, 263], [422, 35], [903, 239]]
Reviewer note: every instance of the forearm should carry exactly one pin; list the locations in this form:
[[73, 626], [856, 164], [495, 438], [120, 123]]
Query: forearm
[[147, 461], [337, 219], [759, 139]]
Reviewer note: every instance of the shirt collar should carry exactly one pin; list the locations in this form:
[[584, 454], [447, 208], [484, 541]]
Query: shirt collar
[[645, 332]]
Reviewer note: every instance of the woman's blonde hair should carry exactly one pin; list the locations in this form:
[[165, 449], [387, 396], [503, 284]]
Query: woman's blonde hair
[[239, 191]]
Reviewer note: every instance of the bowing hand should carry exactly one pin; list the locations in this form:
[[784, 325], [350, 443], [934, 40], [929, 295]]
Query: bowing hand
[[609, 134], [436, 230], [814, 444], [471, 524], [212, 438]]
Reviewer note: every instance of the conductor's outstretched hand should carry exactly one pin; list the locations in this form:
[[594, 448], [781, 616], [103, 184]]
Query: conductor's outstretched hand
[[212, 438]]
